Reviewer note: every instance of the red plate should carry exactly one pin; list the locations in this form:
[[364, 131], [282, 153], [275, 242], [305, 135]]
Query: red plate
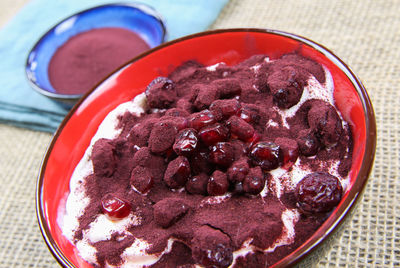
[[230, 46]]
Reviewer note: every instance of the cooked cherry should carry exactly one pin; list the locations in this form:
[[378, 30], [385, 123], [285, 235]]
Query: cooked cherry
[[200, 162], [308, 143], [318, 192], [159, 82], [104, 158], [212, 134], [168, 211], [141, 179], [249, 114], [114, 207], [325, 121], [224, 108], [238, 171], [211, 248], [197, 184], [218, 257], [185, 142], [267, 155], [286, 86], [238, 126], [177, 173], [253, 140], [217, 183], [290, 151], [201, 119], [160, 93], [254, 182], [222, 154]]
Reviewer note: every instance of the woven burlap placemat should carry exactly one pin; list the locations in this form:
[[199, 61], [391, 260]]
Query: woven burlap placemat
[[365, 34]]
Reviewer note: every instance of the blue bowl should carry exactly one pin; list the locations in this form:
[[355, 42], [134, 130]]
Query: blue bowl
[[139, 18]]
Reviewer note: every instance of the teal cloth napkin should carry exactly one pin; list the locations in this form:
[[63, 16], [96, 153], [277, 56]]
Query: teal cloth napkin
[[19, 104]]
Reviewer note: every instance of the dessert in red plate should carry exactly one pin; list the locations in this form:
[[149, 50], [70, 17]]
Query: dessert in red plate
[[244, 154]]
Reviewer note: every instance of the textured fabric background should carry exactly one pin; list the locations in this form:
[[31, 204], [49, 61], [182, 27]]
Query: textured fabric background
[[365, 34]]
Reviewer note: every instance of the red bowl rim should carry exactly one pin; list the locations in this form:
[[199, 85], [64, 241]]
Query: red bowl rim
[[325, 231]]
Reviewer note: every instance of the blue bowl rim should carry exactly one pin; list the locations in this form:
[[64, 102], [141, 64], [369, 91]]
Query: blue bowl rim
[[67, 97]]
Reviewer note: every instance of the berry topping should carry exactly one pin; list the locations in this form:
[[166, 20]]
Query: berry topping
[[224, 108], [218, 183], [290, 151], [212, 134], [176, 112], [267, 155], [228, 87], [308, 143], [254, 182], [103, 157], [162, 137], [184, 104], [201, 119], [211, 248], [114, 207], [140, 133], [178, 122], [325, 121], [197, 165], [239, 127], [160, 93], [222, 154], [253, 140], [206, 94], [168, 211], [238, 171], [185, 142], [197, 184], [177, 173], [286, 87], [318, 192], [249, 113], [200, 162], [141, 179]]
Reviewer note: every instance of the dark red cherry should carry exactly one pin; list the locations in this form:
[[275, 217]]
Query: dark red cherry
[[224, 108], [249, 114], [217, 183], [318, 192], [254, 182], [238, 171], [243, 130], [200, 162], [197, 184], [253, 140], [114, 207], [177, 173], [160, 93], [201, 119], [211, 248], [290, 151], [185, 142], [212, 134], [267, 155], [219, 257], [308, 143], [141, 179], [222, 154]]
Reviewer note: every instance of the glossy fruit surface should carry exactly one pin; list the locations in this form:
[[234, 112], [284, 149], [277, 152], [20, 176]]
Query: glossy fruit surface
[[114, 207]]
